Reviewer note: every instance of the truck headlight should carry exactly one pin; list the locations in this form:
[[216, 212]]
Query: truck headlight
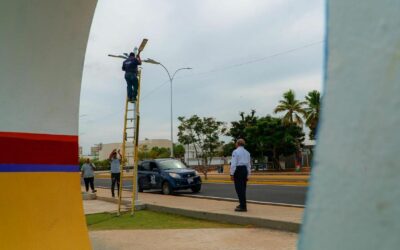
[[174, 175]]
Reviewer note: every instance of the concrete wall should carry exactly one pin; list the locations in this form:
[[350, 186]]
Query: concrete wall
[[354, 201], [42, 49]]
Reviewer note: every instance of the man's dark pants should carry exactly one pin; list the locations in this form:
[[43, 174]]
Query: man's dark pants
[[115, 179], [132, 84], [240, 179], [89, 180]]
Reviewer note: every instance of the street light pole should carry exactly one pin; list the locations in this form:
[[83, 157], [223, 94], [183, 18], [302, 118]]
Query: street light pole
[[170, 81]]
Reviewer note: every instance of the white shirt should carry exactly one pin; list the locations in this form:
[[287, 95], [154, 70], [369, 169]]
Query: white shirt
[[115, 165], [88, 170], [240, 157]]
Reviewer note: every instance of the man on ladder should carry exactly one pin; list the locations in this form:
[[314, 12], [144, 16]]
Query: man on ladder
[[130, 66], [131, 119]]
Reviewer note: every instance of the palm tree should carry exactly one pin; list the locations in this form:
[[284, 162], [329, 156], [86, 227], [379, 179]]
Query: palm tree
[[292, 107], [313, 100]]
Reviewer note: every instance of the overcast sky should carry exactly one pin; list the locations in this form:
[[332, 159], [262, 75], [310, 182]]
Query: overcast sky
[[244, 55]]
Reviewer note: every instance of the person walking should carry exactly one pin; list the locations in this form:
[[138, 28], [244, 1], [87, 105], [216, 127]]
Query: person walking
[[88, 175], [240, 172], [115, 170], [130, 66]]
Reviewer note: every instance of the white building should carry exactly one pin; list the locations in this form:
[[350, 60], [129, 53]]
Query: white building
[[191, 160]]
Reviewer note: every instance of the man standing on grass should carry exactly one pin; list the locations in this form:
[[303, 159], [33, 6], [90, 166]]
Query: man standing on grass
[[88, 175], [115, 162], [240, 172]]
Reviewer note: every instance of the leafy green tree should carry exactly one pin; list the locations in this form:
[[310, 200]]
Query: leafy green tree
[[153, 153], [179, 151], [292, 107], [228, 148], [204, 134], [266, 136], [237, 127], [311, 114], [273, 138], [143, 152], [238, 130]]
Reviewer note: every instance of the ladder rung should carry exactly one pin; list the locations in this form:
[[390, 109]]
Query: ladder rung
[[130, 127], [130, 109], [131, 119], [130, 137]]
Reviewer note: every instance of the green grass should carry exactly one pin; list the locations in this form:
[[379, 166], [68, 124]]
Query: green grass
[[149, 220]]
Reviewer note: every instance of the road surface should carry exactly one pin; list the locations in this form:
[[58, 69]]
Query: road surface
[[294, 195]]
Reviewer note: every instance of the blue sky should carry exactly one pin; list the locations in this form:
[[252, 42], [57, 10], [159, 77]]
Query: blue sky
[[244, 55]]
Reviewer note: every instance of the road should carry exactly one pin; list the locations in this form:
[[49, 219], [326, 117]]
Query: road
[[294, 195]]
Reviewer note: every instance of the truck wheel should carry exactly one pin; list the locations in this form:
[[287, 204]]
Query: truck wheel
[[140, 185], [196, 188], [166, 188]]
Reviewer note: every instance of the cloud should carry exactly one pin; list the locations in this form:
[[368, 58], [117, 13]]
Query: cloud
[[209, 36]]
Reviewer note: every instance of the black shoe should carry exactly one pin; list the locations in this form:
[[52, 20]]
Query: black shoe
[[239, 209], [113, 195], [238, 206], [94, 191]]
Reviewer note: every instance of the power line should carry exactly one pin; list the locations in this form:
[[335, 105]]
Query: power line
[[229, 67], [239, 64], [256, 60], [154, 89]]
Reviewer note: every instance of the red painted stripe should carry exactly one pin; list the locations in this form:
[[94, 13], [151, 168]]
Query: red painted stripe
[[50, 137], [28, 148]]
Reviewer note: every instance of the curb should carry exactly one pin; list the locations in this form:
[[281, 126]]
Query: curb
[[227, 218], [236, 200], [123, 202]]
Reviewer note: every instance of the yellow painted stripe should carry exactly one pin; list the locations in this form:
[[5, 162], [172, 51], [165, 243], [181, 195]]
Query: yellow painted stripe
[[283, 183]]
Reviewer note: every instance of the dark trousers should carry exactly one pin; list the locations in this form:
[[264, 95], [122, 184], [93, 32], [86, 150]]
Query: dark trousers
[[240, 179], [132, 85], [115, 177], [89, 181]]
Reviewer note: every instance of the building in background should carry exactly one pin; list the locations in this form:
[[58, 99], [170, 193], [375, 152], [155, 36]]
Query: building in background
[[192, 160], [95, 150]]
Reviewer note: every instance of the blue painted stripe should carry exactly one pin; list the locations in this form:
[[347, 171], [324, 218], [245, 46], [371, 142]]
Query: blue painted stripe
[[38, 168]]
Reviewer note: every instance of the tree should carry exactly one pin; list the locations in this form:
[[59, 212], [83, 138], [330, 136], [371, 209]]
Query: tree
[[292, 107], [311, 114], [237, 127], [266, 136], [203, 134], [153, 153], [228, 148], [238, 130], [179, 151], [273, 138], [143, 152]]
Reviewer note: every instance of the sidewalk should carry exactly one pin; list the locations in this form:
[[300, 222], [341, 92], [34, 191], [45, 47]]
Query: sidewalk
[[274, 217], [194, 239], [177, 239]]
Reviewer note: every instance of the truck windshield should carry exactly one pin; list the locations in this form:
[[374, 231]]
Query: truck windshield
[[171, 164]]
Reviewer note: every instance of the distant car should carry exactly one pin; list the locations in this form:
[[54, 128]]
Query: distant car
[[168, 175]]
